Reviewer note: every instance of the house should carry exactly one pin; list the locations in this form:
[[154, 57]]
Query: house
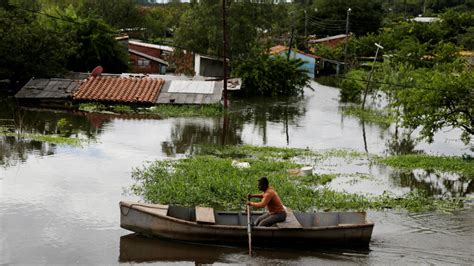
[[331, 41], [310, 60], [148, 58], [128, 88]]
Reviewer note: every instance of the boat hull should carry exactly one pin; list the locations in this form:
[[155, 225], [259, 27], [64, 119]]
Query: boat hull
[[154, 224]]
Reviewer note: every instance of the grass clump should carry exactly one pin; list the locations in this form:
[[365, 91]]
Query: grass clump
[[459, 165], [167, 110], [55, 139], [209, 179], [162, 110]]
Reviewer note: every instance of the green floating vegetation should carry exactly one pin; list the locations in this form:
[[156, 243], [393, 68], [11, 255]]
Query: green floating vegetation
[[459, 165], [379, 117], [163, 110], [168, 110], [209, 179], [47, 138]]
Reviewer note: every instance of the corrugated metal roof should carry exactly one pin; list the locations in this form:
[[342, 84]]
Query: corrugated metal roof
[[167, 96], [119, 89], [330, 38], [48, 89], [191, 86], [150, 45]]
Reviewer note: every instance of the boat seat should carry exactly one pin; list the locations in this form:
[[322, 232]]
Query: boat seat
[[205, 215], [290, 221]]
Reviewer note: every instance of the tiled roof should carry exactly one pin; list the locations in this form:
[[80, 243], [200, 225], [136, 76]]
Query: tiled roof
[[119, 89]]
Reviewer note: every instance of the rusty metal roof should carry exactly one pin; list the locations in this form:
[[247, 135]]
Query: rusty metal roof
[[119, 89], [48, 89]]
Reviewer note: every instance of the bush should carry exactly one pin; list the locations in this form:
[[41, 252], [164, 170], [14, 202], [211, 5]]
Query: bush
[[352, 86]]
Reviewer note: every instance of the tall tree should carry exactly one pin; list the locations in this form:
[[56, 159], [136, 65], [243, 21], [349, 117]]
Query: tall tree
[[29, 49]]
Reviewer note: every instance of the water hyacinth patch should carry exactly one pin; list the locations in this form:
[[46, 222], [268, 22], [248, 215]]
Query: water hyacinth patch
[[208, 179]]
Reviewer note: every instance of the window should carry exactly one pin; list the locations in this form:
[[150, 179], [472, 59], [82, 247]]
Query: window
[[143, 62]]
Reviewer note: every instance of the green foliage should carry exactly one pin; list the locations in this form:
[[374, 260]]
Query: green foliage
[[29, 49], [60, 140], [248, 25], [459, 165], [271, 75], [436, 98], [185, 110], [163, 110], [210, 180], [352, 85], [331, 15], [122, 109]]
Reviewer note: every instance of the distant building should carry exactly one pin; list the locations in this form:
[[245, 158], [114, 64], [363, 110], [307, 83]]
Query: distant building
[[310, 60], [331, 41], [425, 19], [148, 58], [208, 66]]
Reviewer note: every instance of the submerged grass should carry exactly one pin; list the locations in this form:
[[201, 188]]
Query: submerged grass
[[209, 179], [163, 110], [60, 140], [459, 165]]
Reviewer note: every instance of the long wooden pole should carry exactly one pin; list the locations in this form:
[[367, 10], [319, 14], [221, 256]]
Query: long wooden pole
[[224, 53], [249, 230]]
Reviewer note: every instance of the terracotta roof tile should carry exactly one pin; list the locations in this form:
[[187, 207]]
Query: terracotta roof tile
[[119, 89]]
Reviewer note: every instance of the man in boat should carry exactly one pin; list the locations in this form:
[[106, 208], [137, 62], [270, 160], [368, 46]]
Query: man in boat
[[270, 199]]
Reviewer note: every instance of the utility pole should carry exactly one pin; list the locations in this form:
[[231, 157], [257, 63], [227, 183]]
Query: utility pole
[[347, 34], [224, 54], [370, 75], [291, 42]]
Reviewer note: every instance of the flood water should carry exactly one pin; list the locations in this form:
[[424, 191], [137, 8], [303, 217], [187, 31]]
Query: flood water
[[59, 203]]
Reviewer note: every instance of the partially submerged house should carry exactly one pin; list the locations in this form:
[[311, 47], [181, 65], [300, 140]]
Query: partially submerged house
[[310, 60], [124, 89]]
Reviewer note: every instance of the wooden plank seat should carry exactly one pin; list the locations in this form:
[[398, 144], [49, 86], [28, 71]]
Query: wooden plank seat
[[205, 215], [290, 221]]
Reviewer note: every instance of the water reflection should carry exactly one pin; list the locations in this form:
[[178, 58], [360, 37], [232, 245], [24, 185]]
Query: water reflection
[[434, 182], [16, 120], [138, 248], [215, 131], [260, 112]]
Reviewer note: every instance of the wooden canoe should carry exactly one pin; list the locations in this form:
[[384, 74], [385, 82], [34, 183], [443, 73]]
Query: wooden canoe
[[204, 225]]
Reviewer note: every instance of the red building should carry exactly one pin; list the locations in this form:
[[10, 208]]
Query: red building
[[148, 58]]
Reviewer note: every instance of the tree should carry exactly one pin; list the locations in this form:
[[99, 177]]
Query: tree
[[435, 98], [329, 16], [93, 41], [267, 75], [29, 49]]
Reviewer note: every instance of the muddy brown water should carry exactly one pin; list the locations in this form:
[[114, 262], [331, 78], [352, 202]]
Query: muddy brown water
[[59, 203]]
